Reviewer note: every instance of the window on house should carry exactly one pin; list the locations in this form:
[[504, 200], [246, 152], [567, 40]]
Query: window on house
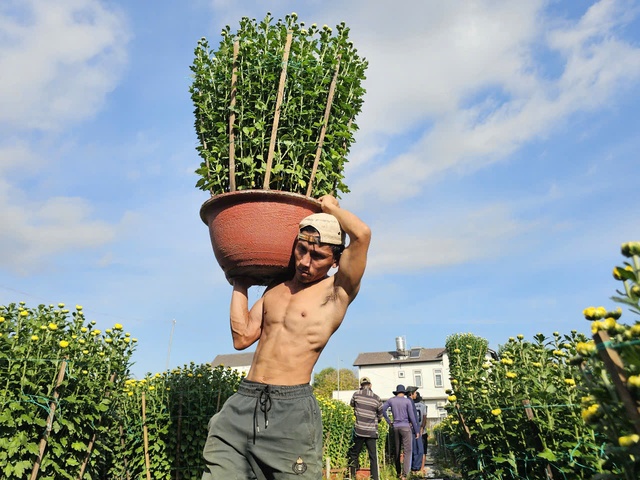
[[437, 378], [417, 378]]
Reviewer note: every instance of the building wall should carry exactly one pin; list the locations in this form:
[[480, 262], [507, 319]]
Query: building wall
[[432, 378]]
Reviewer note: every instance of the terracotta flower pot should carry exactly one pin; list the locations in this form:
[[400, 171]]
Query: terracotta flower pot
[[253, 231]]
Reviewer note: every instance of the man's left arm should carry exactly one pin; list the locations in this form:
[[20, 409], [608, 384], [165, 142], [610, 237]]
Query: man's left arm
[[354, 258]]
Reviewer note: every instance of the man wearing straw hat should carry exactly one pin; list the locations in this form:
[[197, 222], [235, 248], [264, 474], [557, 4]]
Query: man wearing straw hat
[[404, 419], [271, 428]]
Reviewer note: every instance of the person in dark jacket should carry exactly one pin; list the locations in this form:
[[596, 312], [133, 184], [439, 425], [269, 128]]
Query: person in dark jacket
[[404, 419], [367, 408]]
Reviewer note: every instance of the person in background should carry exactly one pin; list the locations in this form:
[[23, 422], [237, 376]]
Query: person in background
[[404, 419], [367, 408], [419, 448]]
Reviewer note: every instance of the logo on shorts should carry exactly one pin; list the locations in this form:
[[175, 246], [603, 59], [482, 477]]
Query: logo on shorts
[[299, 467]]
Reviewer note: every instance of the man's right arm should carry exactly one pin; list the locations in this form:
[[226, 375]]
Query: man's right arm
[[385, 407], [246, 325]]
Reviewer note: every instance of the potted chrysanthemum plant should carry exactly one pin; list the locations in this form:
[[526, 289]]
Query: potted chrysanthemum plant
[[275, 106]]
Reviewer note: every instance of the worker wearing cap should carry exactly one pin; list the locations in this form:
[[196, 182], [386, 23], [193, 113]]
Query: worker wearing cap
[[271, 428], [367, 407]]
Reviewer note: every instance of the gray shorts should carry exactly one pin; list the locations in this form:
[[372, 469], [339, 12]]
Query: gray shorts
[[265, 432]]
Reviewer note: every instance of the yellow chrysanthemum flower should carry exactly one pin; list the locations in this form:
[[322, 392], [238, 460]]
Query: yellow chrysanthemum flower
[[629, 440], [511, 374], [117, 326], [63, 344], [53, 326], [452, 398], [586, 348], [24, 313], [634, 381], [34, 338], [496, 412], [570, 381]]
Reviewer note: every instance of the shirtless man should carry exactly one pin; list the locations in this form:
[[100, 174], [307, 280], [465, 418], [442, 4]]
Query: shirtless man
[[271, 428]]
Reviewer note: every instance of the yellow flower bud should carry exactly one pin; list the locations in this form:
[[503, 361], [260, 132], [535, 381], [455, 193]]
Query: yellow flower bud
[[628, 440]]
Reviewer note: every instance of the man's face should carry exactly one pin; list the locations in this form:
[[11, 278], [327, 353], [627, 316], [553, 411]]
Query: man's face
[[313, 261]]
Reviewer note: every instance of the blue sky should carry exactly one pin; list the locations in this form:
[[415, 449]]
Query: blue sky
[[496, 164]]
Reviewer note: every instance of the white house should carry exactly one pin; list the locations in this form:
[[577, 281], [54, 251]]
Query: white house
[[425, 368], [240, 362]]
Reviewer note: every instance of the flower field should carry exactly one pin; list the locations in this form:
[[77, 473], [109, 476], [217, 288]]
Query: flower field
[[70, 409], [557, 407]]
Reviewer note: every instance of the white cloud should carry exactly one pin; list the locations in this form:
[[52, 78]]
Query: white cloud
[[492, 57], [59, 60], [418, 241], [35, 231]]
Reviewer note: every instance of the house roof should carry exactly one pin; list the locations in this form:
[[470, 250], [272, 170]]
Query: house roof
[[414, 355], [243, 359]]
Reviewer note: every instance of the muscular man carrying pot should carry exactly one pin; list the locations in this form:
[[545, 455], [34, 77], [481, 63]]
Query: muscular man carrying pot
[[271, 428]]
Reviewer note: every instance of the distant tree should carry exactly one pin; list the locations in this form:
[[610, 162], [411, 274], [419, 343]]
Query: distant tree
[[326, 381]]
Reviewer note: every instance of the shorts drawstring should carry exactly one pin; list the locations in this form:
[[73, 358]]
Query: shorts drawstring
[[264, 401]]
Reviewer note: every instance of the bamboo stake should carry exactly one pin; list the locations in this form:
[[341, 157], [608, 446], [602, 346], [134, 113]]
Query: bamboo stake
[[52, 412], [206, 161], [178, 434], [232, 119], [529, 411], [615, 367], [323, 130], [464, 425], [276, 115], [126, 466], [145, 436], [218, 405], [94, 436]]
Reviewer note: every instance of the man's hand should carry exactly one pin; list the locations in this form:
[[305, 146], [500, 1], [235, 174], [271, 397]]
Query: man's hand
[[328, 202]]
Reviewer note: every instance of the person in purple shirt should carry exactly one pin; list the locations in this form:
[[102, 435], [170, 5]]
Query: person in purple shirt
[[403, 418]]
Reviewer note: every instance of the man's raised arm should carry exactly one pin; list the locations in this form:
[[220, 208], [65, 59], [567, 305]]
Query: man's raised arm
[[246, 325], [354, 258]]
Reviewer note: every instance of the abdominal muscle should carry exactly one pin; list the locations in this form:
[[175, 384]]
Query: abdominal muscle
[[292, 337]]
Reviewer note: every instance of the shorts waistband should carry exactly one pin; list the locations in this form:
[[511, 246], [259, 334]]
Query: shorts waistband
[[254, 389]]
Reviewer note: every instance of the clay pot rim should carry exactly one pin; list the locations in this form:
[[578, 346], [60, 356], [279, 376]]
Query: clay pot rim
[[257, 195]]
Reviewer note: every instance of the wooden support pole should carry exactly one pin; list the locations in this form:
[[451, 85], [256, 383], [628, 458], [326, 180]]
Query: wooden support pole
[[323, 130], [145, 436], [52, 412], [94, 436], [232, 119], [464, 425], [529, 412], [178, 435], [276, 115], [615, 367], [126, 463]]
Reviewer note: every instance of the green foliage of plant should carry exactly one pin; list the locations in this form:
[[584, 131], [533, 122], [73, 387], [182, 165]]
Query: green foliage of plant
[[603, 407], [313, 59], [326, 381], [338, 421], [488, 428], [36, 345], [92, 419], [179, 404]]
